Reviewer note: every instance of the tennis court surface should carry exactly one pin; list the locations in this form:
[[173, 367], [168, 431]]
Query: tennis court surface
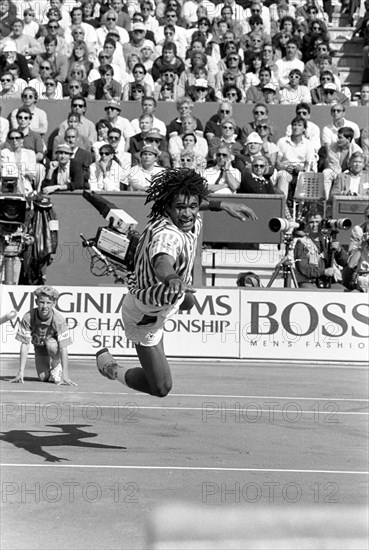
[[234, 446]]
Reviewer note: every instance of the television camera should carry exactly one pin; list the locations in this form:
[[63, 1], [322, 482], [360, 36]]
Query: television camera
[[13, 231], [114, 246]]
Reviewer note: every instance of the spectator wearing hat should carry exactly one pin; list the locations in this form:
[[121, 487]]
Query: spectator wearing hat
[[108, 173], [64, 173], [105, 87], [254, 148], [153, 137], [149, 105], [270, 92], [151, 34], [140, 176], [331, 95], [86, 127], [228, 138], [254, 179], [113, 110], [295, 92], [223, 178], [137, 39], [148, 54], [9, 55], [200, 92]]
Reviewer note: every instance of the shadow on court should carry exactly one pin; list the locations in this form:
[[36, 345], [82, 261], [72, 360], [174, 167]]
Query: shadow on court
[[71, 435]]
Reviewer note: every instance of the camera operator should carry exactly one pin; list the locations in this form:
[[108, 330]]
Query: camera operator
[[317, 260], [356, 274]]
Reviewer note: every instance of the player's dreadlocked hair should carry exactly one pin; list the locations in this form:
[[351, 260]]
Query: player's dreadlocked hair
[[171, 183]]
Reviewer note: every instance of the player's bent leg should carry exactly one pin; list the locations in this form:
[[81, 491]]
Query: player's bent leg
[[42, 363], [157, 378], [56, 370]]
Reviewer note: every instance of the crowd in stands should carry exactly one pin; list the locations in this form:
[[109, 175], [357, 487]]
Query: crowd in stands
[[260, 52]]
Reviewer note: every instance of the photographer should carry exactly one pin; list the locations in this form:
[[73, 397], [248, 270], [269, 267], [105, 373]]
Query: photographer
[[160, 283], [316, 259], [356, 274]]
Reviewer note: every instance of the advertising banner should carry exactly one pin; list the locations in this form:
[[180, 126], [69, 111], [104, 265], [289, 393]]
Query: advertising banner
[[301, 325], [93, 314]]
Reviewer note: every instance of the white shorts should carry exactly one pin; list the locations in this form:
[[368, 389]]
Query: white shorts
[[138, 326]]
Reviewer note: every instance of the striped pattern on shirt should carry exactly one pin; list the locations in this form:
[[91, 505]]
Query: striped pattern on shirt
[[162, 237]]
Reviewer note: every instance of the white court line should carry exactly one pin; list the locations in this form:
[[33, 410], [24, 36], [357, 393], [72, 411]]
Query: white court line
[[188, 468], [188, 395]]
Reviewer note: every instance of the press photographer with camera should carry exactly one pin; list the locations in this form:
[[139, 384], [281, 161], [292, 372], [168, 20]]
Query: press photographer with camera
[[356, 273], [317, 255]]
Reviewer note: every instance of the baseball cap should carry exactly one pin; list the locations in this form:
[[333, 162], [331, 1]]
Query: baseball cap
[[64, 147], [150, 149], [139, 26], [148, 44], [254, 137], [114, 104], [270, 86], [154, 134], [330, 86]]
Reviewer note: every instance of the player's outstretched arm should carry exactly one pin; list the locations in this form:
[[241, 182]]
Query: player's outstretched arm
[[64, 361], [234, 209], [24, 349]]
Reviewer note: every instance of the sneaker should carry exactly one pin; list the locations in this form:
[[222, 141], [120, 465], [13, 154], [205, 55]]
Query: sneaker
[[106, 364], [56, 374]]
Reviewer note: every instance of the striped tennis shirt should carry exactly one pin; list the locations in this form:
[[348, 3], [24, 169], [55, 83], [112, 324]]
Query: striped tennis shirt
[[162, 236]]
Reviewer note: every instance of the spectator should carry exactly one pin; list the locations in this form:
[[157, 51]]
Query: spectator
[[260, 112], [327, 92], [141, 77], [255, 93], [102, 128], [294, 92], [149, 105], [73, 121], [118, 144], [213, 126], [253, 149], [312, 132], [108, 24], [108, 173], [31, 27], [254, 180], [140, 176], [289, 62], [228, 138], [105, 87], [4, 129], [269, 149], [223, 178], [113, 110], [168, 59], [296, 154], [64, 173], [330, 132], [17, 161], [184, 106], [31, 140], [39, 82], [59, 63], [338, 156], [355, 180], [231, 93], [8, 89], [176, 143], [39, 122], [26, 45], [9, 56], [86, 127], [153, 137], [79, 154]]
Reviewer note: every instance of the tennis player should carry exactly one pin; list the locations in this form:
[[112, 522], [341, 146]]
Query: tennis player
[[48, 331], [161, 282]]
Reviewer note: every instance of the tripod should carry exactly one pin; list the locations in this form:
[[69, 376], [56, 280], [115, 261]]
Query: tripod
[[286, 265]]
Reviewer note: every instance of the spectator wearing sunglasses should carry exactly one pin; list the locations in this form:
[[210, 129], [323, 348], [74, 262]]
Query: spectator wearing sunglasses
[[53, 28], [295, 92], [31, 140], [17, 161], [59, 63], [39, 83], [108, 174], [184, 107], [257, 8], [86, 128], [223, 178], [7, 87], [30, 24], [260, 113], [213, 126], [327, 92], [108, 24], [39, 122], [254, 179]]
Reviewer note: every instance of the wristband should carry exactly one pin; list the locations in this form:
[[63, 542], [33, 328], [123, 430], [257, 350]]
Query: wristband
[[170, 277], [215, 205]]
